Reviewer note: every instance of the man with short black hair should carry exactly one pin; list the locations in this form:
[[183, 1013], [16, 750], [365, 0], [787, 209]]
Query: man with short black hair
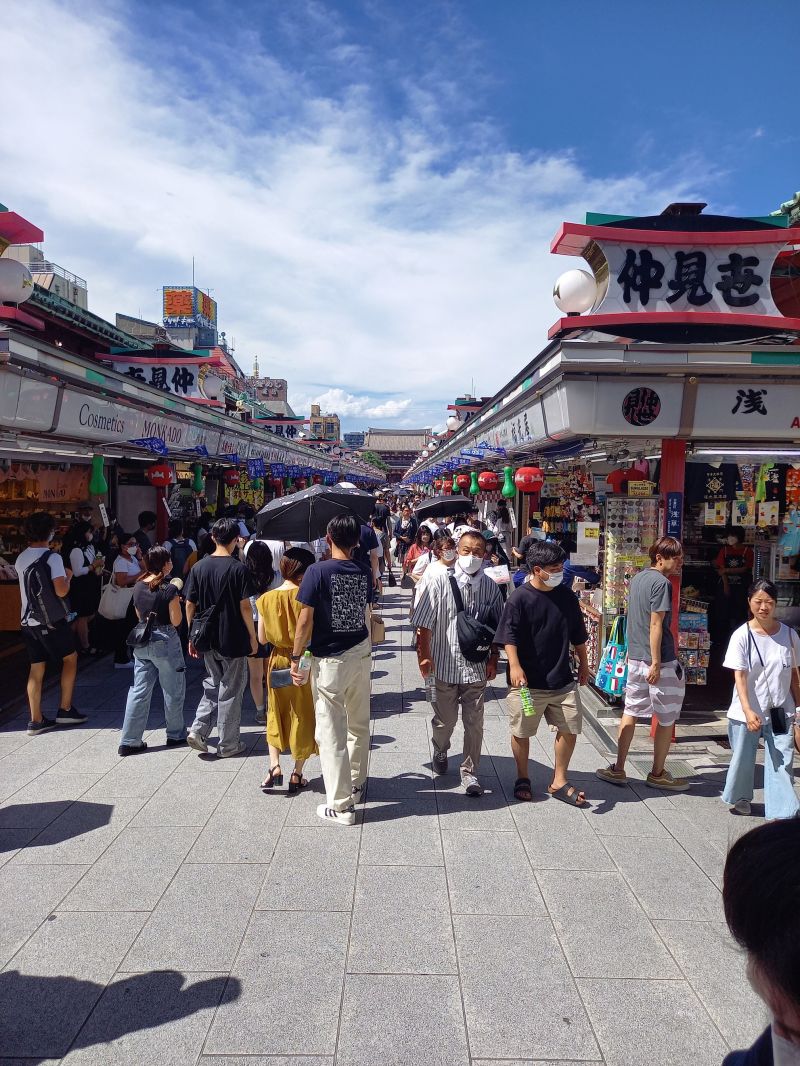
[[458, 681], [334, 595], [144, 534], [222, 580], [540, 621], [45, 626]]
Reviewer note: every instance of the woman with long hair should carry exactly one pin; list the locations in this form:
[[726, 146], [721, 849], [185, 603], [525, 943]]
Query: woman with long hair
[[763, 654], [86, 564], [258, 560], [290, 713], [421, 546], [159, 660]]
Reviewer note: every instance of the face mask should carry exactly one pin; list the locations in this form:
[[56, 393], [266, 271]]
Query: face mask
[[784, 1052], [551, 580], [449, 555], [470, 564], [731, 541]]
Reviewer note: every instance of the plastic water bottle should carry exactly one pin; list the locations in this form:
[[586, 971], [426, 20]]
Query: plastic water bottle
[[430, 689], [528, 708], [304, 667]]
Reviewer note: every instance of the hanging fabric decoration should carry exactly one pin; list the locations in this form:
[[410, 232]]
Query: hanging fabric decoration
[[198, 485], [508, 490], [474, 487], [98, 486]]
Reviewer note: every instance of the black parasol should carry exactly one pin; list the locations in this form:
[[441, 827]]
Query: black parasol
[[305, 515]]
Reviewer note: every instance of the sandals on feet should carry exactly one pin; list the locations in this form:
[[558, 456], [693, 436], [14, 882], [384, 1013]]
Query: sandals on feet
[[568, 794], [296, 782], [522, 790], [274, 779]]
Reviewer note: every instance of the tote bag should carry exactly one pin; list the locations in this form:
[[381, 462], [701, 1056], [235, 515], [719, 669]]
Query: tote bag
[[114, 602], [612, 673]]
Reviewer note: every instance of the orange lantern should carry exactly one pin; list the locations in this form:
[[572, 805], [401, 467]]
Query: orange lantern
[[529, 479], [463, 480], [488, 481], [159, 474]]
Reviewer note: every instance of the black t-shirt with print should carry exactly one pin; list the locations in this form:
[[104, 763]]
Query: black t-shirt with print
[[207, 585], [338, 590]]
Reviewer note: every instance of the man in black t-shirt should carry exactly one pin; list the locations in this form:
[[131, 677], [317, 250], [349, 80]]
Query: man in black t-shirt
[[332, 625], [222, 580], [382, 515], [540, 621]]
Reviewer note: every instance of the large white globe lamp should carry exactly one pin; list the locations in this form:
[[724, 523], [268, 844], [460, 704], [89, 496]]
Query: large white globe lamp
[[575, 292], [16, 283], [453, 422]]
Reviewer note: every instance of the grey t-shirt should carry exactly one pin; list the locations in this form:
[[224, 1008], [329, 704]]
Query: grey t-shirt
[[649, 591]]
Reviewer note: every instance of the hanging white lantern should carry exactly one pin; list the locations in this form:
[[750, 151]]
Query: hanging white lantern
[[16, 283], [453, 422], [575, 292]]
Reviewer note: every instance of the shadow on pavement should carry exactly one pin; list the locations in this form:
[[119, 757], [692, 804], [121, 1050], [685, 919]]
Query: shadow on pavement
[[84, 817]]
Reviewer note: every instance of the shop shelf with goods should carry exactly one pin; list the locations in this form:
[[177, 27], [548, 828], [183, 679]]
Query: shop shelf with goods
[[694, 640]]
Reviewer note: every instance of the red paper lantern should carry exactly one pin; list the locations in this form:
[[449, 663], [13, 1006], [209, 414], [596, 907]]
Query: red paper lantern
[[301, 483], [447, 488], [529, 479], [231, 477], [488, 481], [463, 480], [317, 479], [438, 484], [159, 474]]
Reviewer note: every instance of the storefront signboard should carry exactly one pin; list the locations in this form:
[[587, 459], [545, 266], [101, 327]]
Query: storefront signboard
[[588, 544], [631, 407], [749, 410], [192, 378], [674, 515]]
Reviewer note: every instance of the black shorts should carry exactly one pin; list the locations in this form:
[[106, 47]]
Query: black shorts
[[42, 644]]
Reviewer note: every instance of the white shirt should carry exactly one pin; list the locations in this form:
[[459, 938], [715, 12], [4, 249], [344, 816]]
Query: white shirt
[[80, 560], [24, 560], [130, 567], [768, 685]]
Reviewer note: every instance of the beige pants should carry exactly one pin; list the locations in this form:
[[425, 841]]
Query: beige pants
[[341, 703], [445, 717]]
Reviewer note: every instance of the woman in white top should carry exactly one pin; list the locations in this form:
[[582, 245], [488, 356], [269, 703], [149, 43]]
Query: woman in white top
[[763, 653], [125, 574], [84, 590]]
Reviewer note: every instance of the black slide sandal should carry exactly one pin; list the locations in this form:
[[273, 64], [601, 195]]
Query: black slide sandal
[[569, 794], [521, 786]]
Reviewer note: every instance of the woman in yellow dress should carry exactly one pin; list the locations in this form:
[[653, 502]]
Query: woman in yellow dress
[[290, 710]]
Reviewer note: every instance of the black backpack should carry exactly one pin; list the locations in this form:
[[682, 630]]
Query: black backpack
[[475, 638], [203, 631], [45, 606], [179, 552]]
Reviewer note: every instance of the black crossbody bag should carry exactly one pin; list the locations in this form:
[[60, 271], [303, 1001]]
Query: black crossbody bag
[[777, 714], [475, 639], [203, 628]]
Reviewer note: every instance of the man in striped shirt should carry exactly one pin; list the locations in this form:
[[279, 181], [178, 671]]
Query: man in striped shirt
[[438, 652]]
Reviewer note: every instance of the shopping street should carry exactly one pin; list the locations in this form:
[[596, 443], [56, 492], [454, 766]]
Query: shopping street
[[161, 908]]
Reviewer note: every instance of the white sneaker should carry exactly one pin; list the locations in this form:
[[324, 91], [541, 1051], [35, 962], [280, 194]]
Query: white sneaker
[[742, 806], [230, 754], [194, 740], [472, 785], [328, 814]]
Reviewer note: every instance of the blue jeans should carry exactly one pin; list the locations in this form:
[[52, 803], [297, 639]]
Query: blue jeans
[[161, 660], [780, 798]]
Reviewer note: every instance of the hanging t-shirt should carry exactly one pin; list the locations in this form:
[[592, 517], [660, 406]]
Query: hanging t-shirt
[[792, 487], [721, 483], [617, 480], [769, 677], [338, 590]]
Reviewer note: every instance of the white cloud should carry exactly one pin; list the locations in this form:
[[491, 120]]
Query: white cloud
[[342, 247], [346, 405]]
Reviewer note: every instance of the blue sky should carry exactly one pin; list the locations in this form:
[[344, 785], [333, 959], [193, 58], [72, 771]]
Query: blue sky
[[370, 188]]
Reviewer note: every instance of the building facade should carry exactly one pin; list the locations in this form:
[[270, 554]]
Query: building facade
[[396, 447], [324, 426]]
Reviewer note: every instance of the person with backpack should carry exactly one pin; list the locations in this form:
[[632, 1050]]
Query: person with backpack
[[221, 632], [455, 616], [45, 622], [179, 546]]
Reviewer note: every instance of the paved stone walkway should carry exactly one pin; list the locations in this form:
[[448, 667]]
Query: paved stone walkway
[[162, 909]]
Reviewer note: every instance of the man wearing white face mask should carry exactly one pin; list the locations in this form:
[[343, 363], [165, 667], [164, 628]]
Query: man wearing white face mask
[[540, 621], [458, 680]]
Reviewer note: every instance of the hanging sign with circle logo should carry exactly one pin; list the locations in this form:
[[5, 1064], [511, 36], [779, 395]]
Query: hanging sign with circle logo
[[641, 406]]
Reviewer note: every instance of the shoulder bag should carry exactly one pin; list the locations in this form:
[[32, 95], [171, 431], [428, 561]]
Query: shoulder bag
[[115, 601], [203, 629], [612, 673], [142, 632], [474, 638]]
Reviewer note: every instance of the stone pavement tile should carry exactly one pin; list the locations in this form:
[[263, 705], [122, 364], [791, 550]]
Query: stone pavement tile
[[557, 837], [260, 1060], [199, 922], [313, 869], [491, 953], [665, 880], [677, 1030], [489, 873], [147, 1017], [394, 1019], [715, 968], [29, 894], [530, 1062], [183, 800], [82, 833], [412, 839], [37, 804], [708, 852], [616, 811], [133, 872], [459, 811], [302, 808], [51, 985], [238, 832], [290, 968], [12, 841], [13, 742], [602, 929], [401, 922], [97, 755], [132, 777], [397, 733]]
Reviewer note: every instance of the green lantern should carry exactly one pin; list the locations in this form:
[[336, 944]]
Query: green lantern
[[454, 486], [474, 488], [98, 486], [287, 482], [197, 481], [508, 490]]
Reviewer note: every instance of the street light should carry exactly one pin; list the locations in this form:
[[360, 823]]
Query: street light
[[453, 422], [575, 292]]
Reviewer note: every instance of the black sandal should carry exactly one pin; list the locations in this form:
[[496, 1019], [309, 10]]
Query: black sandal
[[274, 779], [522, 786], [569, 794], [296, 785]]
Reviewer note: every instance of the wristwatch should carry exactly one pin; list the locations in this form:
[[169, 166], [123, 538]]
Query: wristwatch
[[295, 658]]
